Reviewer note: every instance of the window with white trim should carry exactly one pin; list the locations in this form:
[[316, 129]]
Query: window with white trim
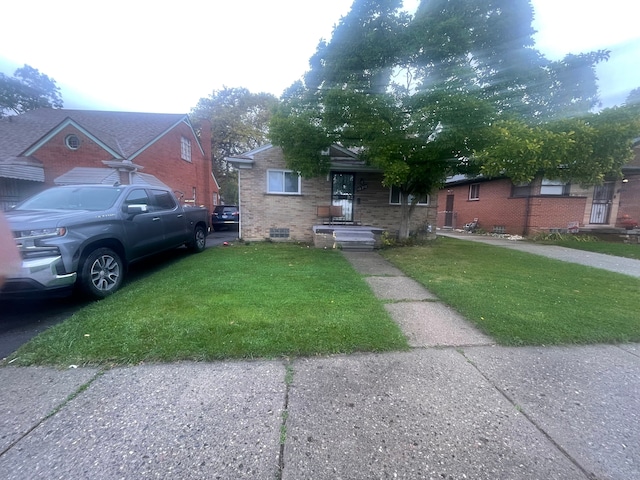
[[72, 142], [394, 197], [474, 191], [553, 187], [283, 181], [185, 149]]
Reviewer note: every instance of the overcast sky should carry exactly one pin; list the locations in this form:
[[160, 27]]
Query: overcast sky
[[138, 55]]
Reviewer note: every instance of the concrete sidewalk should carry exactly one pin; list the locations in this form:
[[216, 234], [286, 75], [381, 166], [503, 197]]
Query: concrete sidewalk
[[626, 266], [454, 407]]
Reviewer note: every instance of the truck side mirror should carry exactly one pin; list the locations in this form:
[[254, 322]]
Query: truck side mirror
[[135, 208]]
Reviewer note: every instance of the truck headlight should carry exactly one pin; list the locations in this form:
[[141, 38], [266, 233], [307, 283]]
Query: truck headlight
[[43, 232]]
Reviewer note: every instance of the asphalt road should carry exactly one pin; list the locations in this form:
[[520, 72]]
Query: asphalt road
[[21, 320]]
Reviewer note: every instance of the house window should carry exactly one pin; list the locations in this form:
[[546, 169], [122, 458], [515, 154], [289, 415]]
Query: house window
[[185, 149], [283, 181], [72, 142], [520, 189], [553, 187], [474, 191], [394, 197]]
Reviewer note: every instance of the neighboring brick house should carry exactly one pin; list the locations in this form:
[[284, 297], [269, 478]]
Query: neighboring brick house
[[277, 204], [629, 192], [542, 206], [48, 147]]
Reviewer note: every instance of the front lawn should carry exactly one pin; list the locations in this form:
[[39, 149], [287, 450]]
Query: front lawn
[[243, 301], [523, 299]]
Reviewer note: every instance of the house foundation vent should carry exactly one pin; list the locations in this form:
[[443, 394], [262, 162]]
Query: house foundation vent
[[278, 233]]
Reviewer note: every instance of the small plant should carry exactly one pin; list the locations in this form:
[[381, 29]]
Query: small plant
[[387, 240], [555, 237]]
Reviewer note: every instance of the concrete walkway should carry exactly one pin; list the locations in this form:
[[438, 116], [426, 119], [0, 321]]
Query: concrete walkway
[[425, 321], [626, 266], [454, 407]]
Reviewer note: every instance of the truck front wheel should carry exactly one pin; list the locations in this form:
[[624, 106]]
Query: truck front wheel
[[102, 273]]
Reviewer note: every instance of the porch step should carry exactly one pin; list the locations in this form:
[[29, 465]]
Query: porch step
[[354, 239]]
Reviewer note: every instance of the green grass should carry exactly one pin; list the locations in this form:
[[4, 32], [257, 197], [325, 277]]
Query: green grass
[[626, 250], [244, 301], [523, 299]]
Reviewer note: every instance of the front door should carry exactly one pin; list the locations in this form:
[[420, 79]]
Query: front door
[[601, 206], [342, 189], [448, 213]]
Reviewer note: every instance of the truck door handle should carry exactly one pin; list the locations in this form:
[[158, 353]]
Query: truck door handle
[[156, 219]]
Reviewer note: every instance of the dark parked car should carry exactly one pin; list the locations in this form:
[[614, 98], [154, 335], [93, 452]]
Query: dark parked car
[[225, 216]]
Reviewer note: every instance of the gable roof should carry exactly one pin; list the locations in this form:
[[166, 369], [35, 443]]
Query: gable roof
[[124, 134], [342, 159]]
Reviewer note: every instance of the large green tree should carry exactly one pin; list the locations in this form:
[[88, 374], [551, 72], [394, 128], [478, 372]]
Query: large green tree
[[239, 122], [427, 96], [28, 89]]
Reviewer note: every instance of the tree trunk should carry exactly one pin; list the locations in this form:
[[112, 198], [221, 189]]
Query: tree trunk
[[406, 209]]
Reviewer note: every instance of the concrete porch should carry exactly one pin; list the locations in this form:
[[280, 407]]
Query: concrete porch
[[347, 237]]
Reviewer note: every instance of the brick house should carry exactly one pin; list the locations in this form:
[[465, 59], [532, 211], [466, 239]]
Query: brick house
[[47, 147], [629, 192], [277, 204], [542, 206]]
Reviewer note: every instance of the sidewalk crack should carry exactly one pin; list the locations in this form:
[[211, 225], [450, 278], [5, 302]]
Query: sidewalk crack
[[53, 412], [530, 419], [288, 380]]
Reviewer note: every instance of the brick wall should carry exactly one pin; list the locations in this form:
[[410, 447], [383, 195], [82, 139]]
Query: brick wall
[[58, 159], [162, 159], [629, 198], [547, 213], [629, 191], [372, 206], [261, 212], [497, 210]]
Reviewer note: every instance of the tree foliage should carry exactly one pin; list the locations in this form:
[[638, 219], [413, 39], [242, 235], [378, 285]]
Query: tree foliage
[[239, 123], [28, 89], [458, 87], [586, 149], [633, 98]]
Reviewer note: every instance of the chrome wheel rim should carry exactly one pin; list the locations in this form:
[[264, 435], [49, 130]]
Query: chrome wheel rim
[[201, 239], [105, 273]]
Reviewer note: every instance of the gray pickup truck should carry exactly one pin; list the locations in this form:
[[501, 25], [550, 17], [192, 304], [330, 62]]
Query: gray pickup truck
[[87, 235]]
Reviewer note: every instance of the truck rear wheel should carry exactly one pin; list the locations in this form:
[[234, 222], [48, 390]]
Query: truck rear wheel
[[199, 241], [102, 273]]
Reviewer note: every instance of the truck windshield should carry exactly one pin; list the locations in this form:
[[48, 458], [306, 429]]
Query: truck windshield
[[73, 198]]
